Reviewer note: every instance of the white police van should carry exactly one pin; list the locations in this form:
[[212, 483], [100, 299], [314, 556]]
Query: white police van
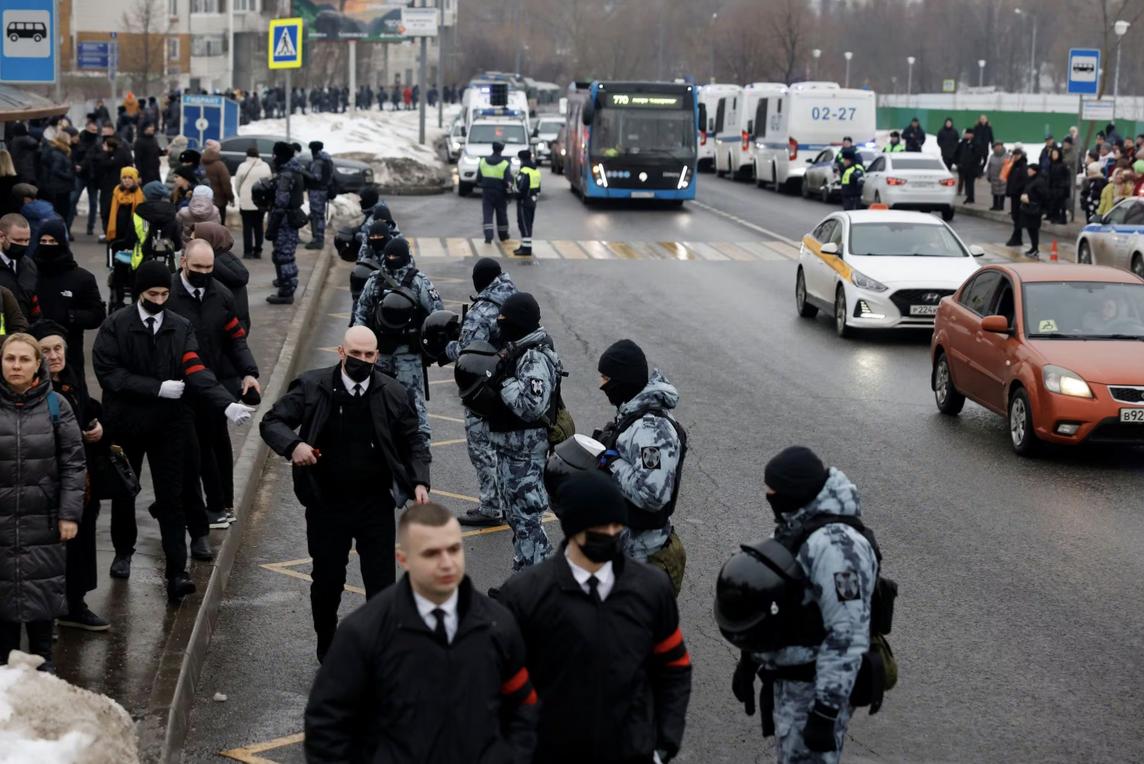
[[743, 118], [804, 120], [709, 98], [493, 124]]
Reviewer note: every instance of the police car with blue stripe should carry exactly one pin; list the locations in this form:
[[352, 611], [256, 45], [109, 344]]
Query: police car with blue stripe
[[1117, 239]]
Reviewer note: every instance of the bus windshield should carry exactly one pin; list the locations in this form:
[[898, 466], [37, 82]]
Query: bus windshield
[[644, 133]]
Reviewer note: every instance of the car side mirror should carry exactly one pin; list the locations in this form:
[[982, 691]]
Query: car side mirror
[[810, 161], [976, 251], [996, 324], [830, 248]]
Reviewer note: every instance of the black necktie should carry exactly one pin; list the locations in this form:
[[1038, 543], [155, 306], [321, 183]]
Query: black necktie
[[150, 326], [357, 391], [439, 632], [199, 295], [594, 589]]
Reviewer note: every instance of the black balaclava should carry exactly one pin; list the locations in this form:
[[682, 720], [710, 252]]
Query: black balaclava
[[397, 254], [283, 153], [378, 237], [796, 475], [625, 366], [519, 317], [316, 147], [369, 197], [54, 258], [485, 272]]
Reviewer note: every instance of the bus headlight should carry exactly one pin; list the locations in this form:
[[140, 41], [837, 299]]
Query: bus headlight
[[599, 175], [684, 178]]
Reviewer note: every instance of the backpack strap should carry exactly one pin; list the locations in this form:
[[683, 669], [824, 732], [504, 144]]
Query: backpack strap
[[54, 407], [794, 543], [407, 282]]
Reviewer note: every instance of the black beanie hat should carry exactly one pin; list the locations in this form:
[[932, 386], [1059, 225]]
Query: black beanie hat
[[796, 473], [522, 311], [588, 499], [283, 151], [624, 362], [485, 272], [316, 145], [190, 156], [187, 173], [398, 248], [46, 328], [151, 274]]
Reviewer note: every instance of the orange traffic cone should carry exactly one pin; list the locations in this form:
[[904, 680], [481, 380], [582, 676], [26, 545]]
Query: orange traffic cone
[[1053, 252]]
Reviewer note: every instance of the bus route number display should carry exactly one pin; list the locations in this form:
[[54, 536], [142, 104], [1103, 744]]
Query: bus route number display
[[643, 101]]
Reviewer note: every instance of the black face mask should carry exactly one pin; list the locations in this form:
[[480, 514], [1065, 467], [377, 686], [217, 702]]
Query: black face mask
[[357, 369], [394, 264], [783, 505], [153, 308], [600, 547], [378, 245], [16, 251], [198, 280], [619, 392], [48, 251], [510, 332]]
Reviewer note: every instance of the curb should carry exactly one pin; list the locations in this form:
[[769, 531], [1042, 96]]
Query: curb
[[441, 188], [1067, 232], [163, 729]]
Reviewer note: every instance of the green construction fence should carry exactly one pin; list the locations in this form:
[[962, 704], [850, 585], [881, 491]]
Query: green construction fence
[[1009, 126]]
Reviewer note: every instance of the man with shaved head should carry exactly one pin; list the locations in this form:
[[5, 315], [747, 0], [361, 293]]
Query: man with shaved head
[[354, 441]]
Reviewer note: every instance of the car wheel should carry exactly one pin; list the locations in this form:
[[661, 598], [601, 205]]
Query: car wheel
[[947, 213], [824, 192], [805, 309], [841, 314], [877, 198], [1084, 254], [949, 401], [464, 189], [804, 188], [776, 186], [1138, 265], [1021, 433]]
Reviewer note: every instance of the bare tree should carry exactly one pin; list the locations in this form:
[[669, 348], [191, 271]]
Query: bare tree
[[145, 55]]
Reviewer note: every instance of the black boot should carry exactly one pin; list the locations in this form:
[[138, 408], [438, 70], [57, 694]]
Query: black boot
[[40, 643], [121, 566], [201, 549], [179, 586]]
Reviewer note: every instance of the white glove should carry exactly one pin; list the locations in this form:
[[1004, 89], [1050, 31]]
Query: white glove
[[237, 413], [172, 389]]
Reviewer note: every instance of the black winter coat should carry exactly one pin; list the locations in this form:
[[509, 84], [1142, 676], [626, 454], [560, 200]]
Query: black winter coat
[[131, 364], [1060, 178], [83, 151], [104, 167], [221, 337], [230, 271], [947, 140], [69, 295], [25, 151], [389, 691], [41, 483], [57, 173], [300, 415], [1037, 189], [21, 283], [983, 139], [9, 203], [614, 678], [914, 137], [1018, 177], [147, 155], [966, 160]]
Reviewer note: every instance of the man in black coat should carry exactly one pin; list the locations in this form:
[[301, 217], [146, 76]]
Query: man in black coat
[[17, 271], [983, 139], [968, 168], [145, 357], [430, 670], [1014, 187], [1034, 201], [914, 135], [81, 154], [25, 151], [358, 453], [147, 154], [67, 293], [104, 165], [210, 307], [605, 651]]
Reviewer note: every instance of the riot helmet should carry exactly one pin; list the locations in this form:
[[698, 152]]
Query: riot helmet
[[474, 372], [575, 455], [440, 327], [759, 600], [361, 272], [346, 244], [396, 310]]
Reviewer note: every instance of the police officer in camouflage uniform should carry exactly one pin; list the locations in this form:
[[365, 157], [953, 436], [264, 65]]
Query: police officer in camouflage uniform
[[812, 685], [519, 437], [287, 203], [644, 454], [493, 288], [400, 355], [319, 180]]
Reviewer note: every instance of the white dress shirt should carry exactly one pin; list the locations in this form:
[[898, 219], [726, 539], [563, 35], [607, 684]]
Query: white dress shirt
[[605, 575], [8, 262], [426, 607], [349, 383], [191, 289], [144, 315]]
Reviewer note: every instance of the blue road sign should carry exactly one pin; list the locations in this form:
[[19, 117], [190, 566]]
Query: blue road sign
[[93, 55], [30, 50], [208, 117], [1084, 70]]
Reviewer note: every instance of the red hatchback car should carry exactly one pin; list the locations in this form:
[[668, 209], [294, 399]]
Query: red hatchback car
[[1057, 349]]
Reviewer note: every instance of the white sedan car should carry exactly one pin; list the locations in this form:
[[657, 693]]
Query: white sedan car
[[910, 181], [877, 269]]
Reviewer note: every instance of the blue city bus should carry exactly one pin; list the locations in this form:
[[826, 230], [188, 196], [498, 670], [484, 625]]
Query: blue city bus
[[632, 140]]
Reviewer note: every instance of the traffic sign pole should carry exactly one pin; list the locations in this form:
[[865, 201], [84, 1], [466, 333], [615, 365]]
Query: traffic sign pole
[[284, 51], [289, 101]]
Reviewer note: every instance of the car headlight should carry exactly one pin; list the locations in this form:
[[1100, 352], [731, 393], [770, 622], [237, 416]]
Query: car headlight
[[684, 178], [599, 175], [863, 281], [1064, 382]]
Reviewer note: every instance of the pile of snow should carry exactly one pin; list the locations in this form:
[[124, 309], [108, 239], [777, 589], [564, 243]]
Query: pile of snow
[[44, 719], [386, 140]]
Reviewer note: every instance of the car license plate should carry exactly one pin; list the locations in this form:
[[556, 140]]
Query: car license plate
[[643, 194], [923, 310], [1132, 416]]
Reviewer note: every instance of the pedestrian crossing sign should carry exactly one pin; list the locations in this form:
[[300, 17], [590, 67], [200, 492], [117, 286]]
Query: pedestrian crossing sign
[[285, 44]]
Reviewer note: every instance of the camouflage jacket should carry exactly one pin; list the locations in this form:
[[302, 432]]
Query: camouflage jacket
[[842, 569], [375, 288], [528, 390], [649, 448], [481, 320]]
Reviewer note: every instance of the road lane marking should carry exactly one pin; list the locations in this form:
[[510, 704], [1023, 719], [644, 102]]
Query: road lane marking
[[705, 250], [543, 250], [458, 248], [732, 251], [744, 223], [569, 250]]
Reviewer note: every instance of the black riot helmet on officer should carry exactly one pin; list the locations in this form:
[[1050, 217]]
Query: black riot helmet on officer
[[573, 456], [439, 329]]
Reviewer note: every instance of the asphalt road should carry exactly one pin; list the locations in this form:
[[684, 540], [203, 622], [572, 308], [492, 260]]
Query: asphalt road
[[1018, 628]]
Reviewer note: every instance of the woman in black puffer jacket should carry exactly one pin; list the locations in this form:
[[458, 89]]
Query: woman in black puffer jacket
[[41, 497]]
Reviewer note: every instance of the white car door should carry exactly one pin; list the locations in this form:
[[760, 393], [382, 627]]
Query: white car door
[[875, 177], [820, 275]]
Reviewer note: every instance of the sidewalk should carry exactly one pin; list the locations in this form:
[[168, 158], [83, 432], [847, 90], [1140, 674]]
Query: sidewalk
[[139, 662], [980, 209]]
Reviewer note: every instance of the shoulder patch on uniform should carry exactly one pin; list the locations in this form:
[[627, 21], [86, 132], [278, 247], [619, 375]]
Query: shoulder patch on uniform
[[649, 456], [434, 294], [537, 386], [846, 586]]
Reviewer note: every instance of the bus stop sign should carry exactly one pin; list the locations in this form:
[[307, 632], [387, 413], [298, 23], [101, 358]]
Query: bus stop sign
[[1084, 70], [29, 52]]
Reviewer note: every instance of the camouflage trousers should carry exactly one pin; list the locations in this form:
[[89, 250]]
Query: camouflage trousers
[[793, 701], [317, 197], [406, 369], [520, 460], [283, 258], [484, 461]]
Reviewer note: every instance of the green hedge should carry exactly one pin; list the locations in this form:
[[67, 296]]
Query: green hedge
[[1008, 126]]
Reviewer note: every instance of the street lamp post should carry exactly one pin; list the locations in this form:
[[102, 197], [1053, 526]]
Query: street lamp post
[[910, 75], [1121, 29], [981, 72], [714, 18], [848, 55], [817, 53], [1032, 51]]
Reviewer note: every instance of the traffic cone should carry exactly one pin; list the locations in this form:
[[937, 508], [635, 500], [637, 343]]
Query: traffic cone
[[1053, 252]]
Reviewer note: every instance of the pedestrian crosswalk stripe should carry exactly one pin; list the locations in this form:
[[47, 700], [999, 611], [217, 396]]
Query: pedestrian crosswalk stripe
[[457, 248], [705, 251], [542, 250], [429, 248], [597, 250]]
